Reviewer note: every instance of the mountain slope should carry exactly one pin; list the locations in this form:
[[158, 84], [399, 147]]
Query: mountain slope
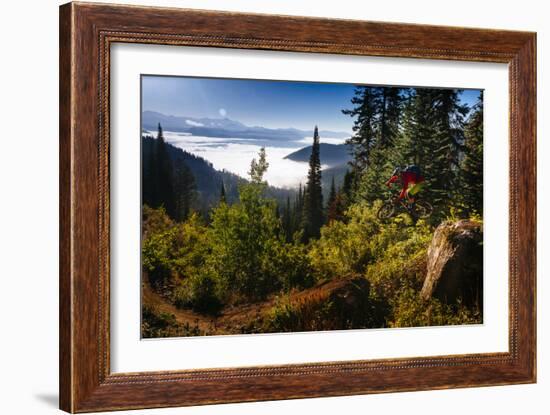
[[331, 154]]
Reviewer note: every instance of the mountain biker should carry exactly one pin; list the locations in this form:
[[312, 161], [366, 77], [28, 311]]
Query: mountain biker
[[411, 181]]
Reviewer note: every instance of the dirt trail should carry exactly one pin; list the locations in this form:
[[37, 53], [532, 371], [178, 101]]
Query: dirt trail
[[152, 298], [238, 318]]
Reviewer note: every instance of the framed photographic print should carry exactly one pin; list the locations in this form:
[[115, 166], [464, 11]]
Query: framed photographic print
[[260, 207]]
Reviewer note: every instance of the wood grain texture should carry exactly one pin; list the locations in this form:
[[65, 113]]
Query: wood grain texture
[[86, 33]]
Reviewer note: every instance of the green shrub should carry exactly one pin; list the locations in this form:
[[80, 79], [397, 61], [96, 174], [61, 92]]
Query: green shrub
[[350, 247], [173, 253], [249, 255], [154, 323], [154, 221], [159, 324], [344, 247], [199, 292], [409, 310]]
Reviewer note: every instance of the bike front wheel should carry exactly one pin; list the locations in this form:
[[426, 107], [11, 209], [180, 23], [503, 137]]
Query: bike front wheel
[[422, 209], [386, 211]]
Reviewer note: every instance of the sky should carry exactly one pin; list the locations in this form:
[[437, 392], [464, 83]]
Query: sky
[[271, 104]]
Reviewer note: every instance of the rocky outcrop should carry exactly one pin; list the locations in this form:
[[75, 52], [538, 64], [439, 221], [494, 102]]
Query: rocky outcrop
[[455, 264]]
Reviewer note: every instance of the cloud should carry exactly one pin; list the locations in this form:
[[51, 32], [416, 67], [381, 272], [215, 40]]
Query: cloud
[[327, 140], [236, 157], [194, 123], [222, 112]]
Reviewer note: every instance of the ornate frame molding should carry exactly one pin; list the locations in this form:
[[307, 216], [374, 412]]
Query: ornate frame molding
[[87, 31]]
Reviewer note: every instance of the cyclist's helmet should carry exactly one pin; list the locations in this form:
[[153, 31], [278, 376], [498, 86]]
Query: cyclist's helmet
[[396, 171]]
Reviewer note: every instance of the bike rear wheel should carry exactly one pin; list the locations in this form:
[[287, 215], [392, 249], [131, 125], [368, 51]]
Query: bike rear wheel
[[386, 211], [422, 209]]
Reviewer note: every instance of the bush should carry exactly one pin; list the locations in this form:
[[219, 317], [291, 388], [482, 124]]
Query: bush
[[409, 310], [250, 258], [154, 221], [173, 253], [349, 248], [158, 324], [154, 323], [290, 262], [337, 305], [344, 248], [199, 292]]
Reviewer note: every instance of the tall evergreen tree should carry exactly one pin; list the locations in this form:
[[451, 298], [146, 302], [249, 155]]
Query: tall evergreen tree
[[164, 173], [348, 188], [376, 128], [287, 221], [433, 139], [184, 188], [390, 110], [223, 198], [335, 204], [366, 102], [332, 193], [313, 197], [472, 164], [298, 210]]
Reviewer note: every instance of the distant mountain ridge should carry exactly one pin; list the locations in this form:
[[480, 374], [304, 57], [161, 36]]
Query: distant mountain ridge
[[226, 128], [331, 154]]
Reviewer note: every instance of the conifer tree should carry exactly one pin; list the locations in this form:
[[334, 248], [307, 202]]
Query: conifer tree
[[183, 192], [366, 106], [348, 188], [433, 139], [313, 196], [332, 193], [297, 212], [376, 128], [472, 165], [287, 221], [223, 198], [335, 204]]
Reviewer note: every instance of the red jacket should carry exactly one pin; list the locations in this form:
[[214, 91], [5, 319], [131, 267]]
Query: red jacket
[[407, 177]]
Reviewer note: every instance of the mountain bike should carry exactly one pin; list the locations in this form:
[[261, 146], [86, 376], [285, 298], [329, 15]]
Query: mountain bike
[[392, 206]]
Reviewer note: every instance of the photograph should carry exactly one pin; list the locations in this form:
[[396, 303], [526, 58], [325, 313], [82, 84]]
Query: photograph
[[271, 206]]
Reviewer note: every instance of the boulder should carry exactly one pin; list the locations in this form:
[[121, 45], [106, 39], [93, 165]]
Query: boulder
[[455, 264]]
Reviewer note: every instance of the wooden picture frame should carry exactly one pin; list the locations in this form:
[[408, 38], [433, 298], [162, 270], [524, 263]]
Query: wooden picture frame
[[86, 33]]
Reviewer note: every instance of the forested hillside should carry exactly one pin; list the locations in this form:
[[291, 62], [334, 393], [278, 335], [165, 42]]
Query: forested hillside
[[204, 183]]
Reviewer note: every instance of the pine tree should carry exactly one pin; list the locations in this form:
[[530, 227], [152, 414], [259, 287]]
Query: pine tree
[[348, 188], [223, 198], [366, 103], [313, 197], [433, 139], [472, 164], [148, 187], [298, 210], [391, 107], [338, 209], [335, 204], [165, 175], [287, 221], [332, 193], [376, 129], [183, 192]]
